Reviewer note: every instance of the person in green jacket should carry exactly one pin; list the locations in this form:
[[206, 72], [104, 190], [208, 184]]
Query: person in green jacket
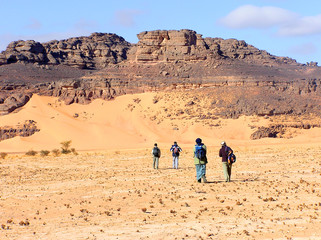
[[200, 160]]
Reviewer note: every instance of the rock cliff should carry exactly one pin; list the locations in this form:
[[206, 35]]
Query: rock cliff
[[187, 45]]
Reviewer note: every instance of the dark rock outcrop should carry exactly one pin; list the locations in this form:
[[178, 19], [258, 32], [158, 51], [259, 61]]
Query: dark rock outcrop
[[101, 49], [84, 91], [26, 129], [279, 130], [95, 51], [267, 132], [10, 102]]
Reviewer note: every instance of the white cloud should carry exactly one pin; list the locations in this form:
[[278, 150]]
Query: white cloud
[[250, 16], [302, 26], [286, 22], [126, 17]]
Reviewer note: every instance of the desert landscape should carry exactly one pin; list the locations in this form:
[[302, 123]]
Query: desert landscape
[[113, 100], [110, 191]]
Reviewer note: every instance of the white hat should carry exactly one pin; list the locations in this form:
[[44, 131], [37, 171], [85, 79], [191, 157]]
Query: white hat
[[223, 143]]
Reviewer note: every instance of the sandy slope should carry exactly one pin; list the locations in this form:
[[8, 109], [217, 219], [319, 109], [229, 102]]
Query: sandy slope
[[128, 122]]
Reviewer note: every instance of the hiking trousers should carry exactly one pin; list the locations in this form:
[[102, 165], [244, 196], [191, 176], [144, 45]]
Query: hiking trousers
[[200, 172], [175, 162], [227, 169], [155, 162]]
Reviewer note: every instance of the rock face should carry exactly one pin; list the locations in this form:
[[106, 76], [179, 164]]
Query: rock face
[[187, 45], [84, 91], [275, 131], [26, 129], [168, 46], [95, 51], [10, 102], [238, 78]]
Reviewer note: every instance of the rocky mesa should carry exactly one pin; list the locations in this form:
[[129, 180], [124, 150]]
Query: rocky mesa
[[101, 49]]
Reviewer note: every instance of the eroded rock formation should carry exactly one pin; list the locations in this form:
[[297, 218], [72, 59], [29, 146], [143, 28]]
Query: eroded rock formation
[[187, 45], [96, 51], [26, 129], [278, 131], [101, 49]]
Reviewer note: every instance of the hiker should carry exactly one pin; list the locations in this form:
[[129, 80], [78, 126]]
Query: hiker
[[200, 160], [224, 153], [156, 155], [175, 149]]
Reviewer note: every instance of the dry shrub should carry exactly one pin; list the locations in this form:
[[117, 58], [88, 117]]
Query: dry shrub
[[3, 155], [55, 152], [44, 153], [31, 153], [73, 150], [65, 147]]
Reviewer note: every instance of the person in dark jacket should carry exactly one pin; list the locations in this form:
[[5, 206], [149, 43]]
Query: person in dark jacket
[[156, 155], [175, 149], [225, 151]]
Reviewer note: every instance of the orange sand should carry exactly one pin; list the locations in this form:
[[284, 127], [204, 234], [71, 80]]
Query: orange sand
[[104, 125]]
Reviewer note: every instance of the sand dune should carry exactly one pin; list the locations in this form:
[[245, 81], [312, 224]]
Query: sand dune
[[126, 123]]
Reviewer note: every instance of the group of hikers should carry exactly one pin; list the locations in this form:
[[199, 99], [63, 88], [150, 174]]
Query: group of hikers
[[200, 159]]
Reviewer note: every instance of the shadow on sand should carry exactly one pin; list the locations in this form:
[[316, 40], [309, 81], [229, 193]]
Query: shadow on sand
[[236, 180]]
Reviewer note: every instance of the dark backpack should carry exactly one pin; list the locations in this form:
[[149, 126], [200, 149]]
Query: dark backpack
[[231, 157], [156, 152], [176, 150], [200, 152]]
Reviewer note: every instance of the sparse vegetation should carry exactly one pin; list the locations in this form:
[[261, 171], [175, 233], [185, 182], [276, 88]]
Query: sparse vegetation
[[55, 152], [3, 155], [73, 150], [65, 147], [44, 153], [31, 153]]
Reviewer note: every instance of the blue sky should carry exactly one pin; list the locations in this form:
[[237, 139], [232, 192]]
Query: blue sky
[[290, 28]]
